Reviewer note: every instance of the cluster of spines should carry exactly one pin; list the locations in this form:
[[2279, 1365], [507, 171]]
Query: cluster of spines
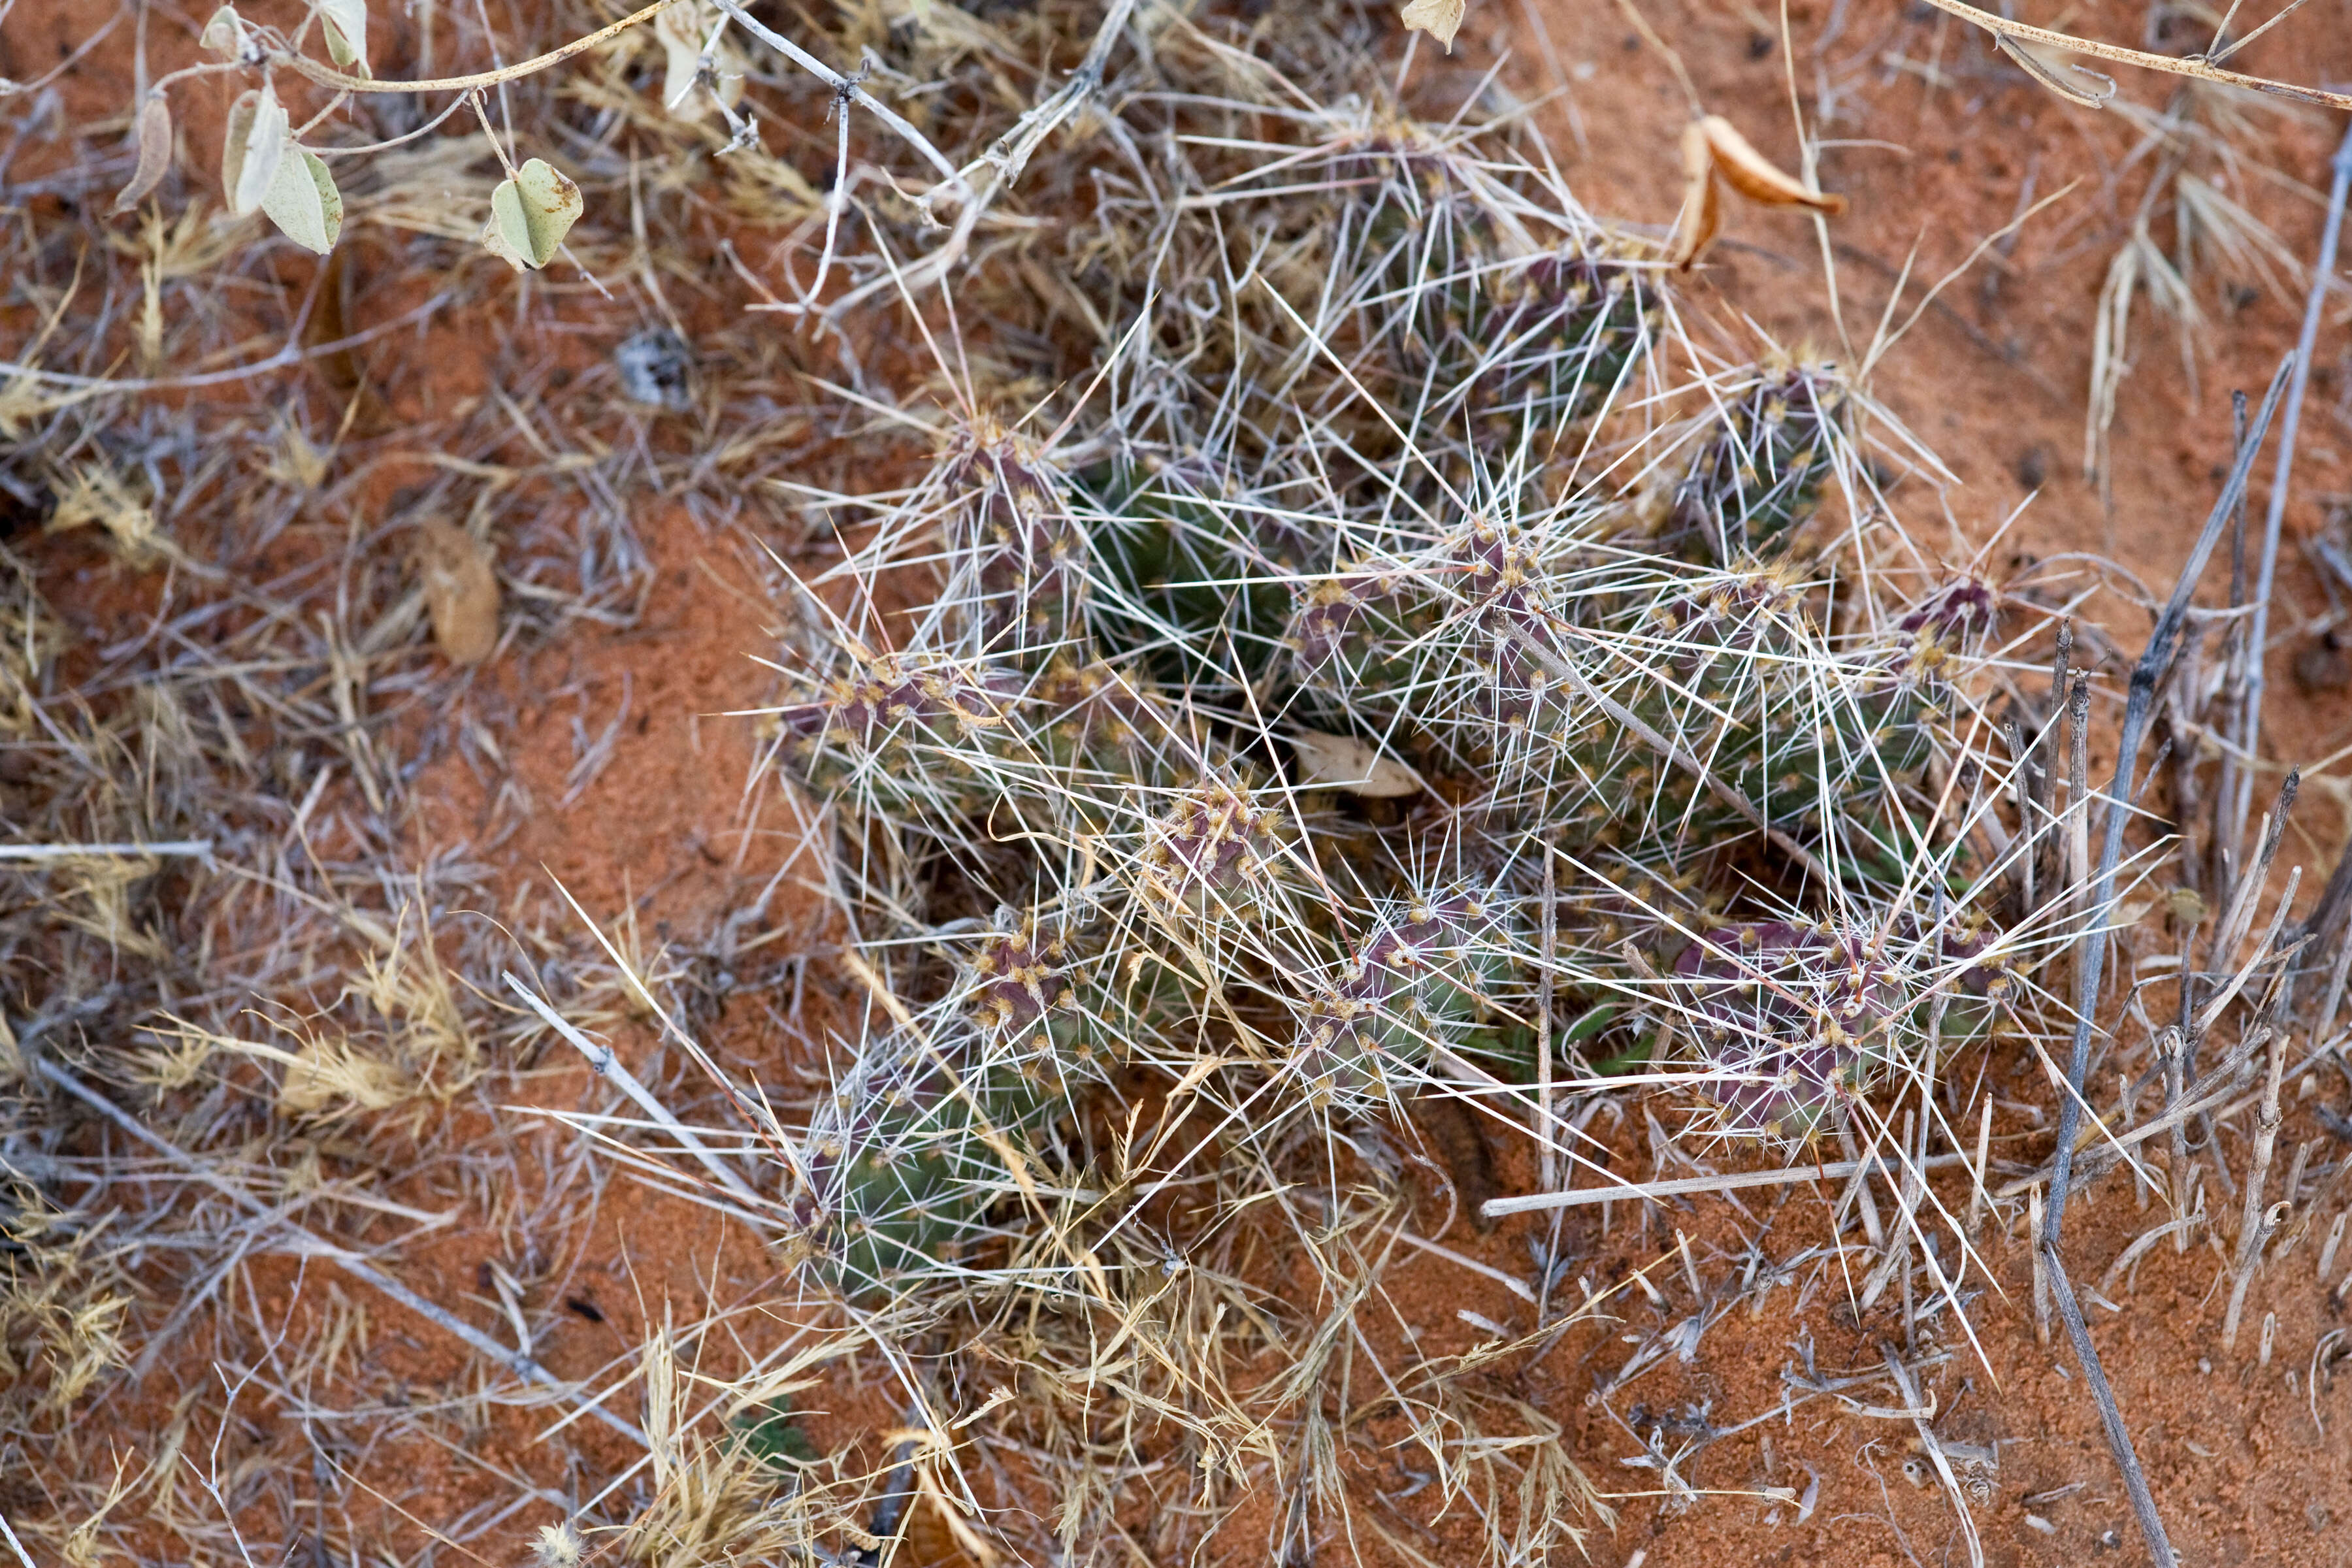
[[1017, 558], [898, 728], [1119, 640], [1424, 978], [907, 1157], [1761, 469], [1789, 1017]]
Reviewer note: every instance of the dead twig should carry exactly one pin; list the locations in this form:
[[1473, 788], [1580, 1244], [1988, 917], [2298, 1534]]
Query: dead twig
[[2145, 680], [2188, 66], [2274, 518]]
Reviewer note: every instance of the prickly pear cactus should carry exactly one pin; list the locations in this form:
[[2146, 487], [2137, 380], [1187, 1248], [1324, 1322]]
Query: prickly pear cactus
[[1334, 480], [1762, 468]]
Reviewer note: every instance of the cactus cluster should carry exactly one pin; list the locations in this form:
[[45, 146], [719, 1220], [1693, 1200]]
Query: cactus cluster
[[1334, 476]]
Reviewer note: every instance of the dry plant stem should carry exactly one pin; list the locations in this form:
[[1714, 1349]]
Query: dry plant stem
[[2250, 882], [2078, 791], [2175, 1081], [2321, 922], [2178, 1229], [2033, 1214], [609, 1065], [2229, 827], [1959, 1499], [1984, 1150], [2255, 1224], [176, 846], [2190, 66], [2144, 680], [1835, 1170], [1548, 1169], [304, 1242], [2045, 745], [2094, 942], [2209, 1093], [326, 76], [2151, 1524], [2274, 516], [2324, 1022], [845, 86], [2021, 791]]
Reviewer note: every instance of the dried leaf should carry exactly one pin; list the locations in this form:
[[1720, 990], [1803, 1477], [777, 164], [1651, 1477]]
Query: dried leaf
[[1441, 19], [1343, 761], [346, 27], [224, 33], [1713, 149], [303, 201], [1749, 173], [154, 135], [530, 213], [2056, 69], [254, 146], [1702, 213], [461, 592]]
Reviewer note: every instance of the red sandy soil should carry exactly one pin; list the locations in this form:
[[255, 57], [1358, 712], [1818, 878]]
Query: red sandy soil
[[2247, 1460]]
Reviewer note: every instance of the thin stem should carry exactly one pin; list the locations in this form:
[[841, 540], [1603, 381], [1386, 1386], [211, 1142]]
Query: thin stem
[[2144, 682], [2171, 66], [2143, 1502], [309, 1244], [1547, 1174], [326, 76], [2274, 516], [2255, 1224], [2145, 678]]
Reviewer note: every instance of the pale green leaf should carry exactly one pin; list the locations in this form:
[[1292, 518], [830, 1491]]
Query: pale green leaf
[[303, 201], [530, 213], [346, 27], [254, 147], [224, 33]]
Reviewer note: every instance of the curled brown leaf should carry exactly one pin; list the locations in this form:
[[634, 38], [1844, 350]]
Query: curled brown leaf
[[1749, 173], [152, 132], [1713, 149], [1702, 212]]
